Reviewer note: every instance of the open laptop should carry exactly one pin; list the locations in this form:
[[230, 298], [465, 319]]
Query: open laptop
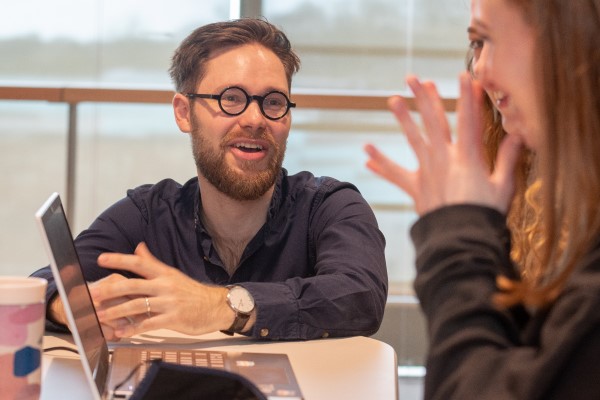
[[109, 372]]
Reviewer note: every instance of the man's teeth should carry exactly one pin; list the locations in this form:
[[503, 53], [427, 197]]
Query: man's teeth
[[248, 146]]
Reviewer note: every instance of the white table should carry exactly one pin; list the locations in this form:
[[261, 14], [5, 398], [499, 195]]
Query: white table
[[346, 368]]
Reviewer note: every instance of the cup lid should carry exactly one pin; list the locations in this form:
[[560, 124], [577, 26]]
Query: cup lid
[[15, 290]]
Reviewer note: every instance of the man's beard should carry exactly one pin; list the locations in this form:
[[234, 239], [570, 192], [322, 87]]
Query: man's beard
[[248, 185]]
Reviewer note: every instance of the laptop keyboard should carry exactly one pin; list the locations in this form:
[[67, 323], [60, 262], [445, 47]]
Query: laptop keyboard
[[195, 358]]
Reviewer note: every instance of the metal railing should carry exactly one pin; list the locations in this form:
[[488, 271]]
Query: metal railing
[[73, 96]]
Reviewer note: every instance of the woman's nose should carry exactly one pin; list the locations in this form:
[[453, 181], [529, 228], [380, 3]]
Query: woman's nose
[[481, 66]]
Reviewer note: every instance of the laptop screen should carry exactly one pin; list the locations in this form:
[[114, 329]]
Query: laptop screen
[[80, 312]]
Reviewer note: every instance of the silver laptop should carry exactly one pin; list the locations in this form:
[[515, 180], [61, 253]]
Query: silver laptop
[[114, 373]]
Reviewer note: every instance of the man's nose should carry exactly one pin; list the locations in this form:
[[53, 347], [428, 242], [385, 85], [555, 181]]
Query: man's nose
[[253, 115]]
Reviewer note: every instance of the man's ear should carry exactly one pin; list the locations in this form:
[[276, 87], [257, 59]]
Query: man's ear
[[181, 108]]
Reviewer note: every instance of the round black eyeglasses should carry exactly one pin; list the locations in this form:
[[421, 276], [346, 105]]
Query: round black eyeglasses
[[234, 101]]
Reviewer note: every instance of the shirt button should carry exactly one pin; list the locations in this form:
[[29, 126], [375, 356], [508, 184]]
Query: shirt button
[[325, 335], [205, 258], [264, 332]]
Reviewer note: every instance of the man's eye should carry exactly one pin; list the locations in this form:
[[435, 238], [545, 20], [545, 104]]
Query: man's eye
[[274, 102], [233, 99]]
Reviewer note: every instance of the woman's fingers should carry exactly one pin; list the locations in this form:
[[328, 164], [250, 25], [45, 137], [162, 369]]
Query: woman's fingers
[[469, 140], [388, 169], [400, 109], [433, 114], [449, 172], [504, 172]]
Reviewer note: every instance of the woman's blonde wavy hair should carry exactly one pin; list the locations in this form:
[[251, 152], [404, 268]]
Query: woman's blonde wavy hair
[[524, 216]]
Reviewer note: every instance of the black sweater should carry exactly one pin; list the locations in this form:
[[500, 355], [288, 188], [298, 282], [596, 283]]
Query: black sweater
[[479, 352]]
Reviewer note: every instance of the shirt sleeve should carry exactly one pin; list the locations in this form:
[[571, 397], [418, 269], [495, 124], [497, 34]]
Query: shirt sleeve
[[347, 294], [478, 351]]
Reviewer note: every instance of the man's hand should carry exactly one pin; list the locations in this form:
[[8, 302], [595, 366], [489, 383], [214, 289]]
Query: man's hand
[[109, 327], [56, 311], [165, 299]]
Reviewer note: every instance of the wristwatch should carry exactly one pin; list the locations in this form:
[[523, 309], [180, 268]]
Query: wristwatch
[[242, 303]]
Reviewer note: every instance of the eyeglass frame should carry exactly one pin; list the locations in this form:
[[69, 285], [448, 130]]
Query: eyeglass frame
[[249, 98]]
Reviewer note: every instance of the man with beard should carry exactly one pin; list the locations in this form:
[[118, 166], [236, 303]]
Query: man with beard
[[243, 247]]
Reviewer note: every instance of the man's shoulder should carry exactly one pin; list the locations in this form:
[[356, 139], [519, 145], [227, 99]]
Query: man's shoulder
[[316, 191], [165, 191], [306, 181]]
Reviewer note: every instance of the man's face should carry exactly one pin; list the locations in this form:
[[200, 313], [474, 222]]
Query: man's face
[[240, 155]]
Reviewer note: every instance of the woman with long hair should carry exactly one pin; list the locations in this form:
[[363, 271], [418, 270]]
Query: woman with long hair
[[495, 332]]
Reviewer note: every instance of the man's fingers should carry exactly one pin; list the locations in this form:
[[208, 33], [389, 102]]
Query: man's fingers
[[143, 325], [142, 306], [141, 263], [143, 251], [117, 292], [123, 262]]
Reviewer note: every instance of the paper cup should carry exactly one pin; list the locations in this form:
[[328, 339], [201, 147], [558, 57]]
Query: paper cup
[[22, 316]]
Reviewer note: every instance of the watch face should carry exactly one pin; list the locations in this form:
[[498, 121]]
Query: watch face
[[241, 299]]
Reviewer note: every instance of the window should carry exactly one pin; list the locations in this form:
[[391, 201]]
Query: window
[[88, 42], [345, 45], [368, 45]]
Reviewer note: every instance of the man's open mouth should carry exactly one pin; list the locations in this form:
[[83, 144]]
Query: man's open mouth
[[248, 147]]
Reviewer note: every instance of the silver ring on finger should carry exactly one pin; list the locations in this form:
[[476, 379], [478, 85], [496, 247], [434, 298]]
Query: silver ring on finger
[[148, 309]]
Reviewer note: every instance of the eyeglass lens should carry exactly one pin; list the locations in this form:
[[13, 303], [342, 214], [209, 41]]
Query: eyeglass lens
[[234, 101]]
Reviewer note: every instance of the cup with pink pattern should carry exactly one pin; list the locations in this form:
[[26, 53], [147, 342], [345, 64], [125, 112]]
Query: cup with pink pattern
[[22, 315]]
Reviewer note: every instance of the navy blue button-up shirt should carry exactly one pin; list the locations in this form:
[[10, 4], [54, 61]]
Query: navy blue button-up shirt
[[316, 268]]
